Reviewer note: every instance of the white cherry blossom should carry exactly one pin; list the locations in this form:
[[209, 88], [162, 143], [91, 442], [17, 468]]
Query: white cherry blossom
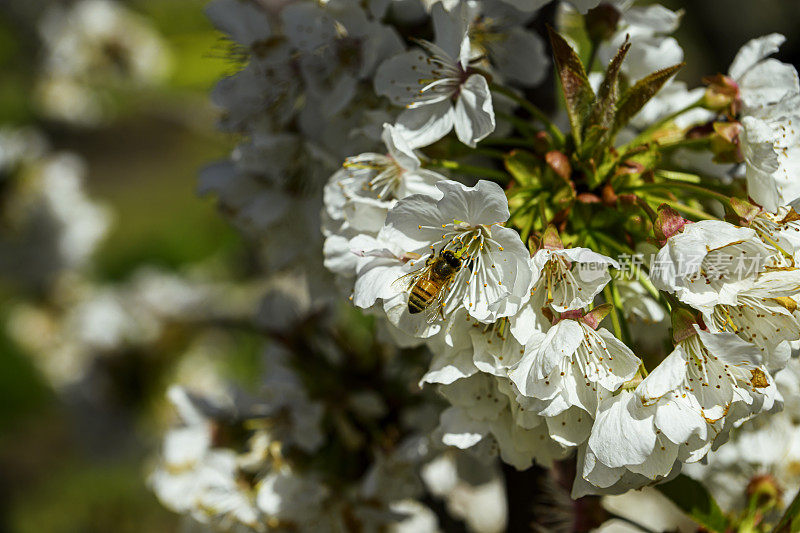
[[480, 420], [358, 196], [468, 221], [438, 87], [381, 260], [772, 157], [780, 230], [709, 262], [499, 40], [291, 499], [573, 365], [762, 80], [763, 315], [647, 28], [682, 408], [765, 448], [244, 22], [564, 280], [769, 92]]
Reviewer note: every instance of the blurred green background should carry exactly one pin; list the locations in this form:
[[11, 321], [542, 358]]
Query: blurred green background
[[144, 165], [66, 466]]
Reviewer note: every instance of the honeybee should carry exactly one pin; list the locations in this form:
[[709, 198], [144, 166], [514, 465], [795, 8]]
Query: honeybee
[[429, 286]]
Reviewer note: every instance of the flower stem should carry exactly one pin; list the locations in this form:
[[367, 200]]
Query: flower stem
[[675, 184], [698, 213], [535, 112], [615, 320], [618, 304], [674, 175], [697, 142], [490, 152], [644, 280], [645, 135], [790, 518], [506, 141]]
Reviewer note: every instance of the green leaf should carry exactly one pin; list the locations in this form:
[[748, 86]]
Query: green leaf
[[525, 168], [637, 96], [790, 521], [578, 93], [693, 499], [604, 107]]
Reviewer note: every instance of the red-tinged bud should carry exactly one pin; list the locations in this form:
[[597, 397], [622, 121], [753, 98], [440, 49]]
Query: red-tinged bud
[[725, 143], [667, 223], [588, 198], [596, 315], [765, 489], [628, 198], [542, 142], [722, 94], [601, 22], [609, 196], [551, 240], [591, 319], [559, 162], [627, 168], [683, 322], [575, 314]]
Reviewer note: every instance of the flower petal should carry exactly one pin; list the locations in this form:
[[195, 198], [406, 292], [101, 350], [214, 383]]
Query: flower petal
[[474, 115]]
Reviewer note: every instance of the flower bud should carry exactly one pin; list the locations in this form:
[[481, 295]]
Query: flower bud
[[683, 322], [722, 94], [765, 489], [667, 224], [609, 196], [559, 162], [601, 22]]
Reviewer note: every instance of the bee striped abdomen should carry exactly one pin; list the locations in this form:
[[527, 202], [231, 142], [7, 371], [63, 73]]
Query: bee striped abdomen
[[422, 295]]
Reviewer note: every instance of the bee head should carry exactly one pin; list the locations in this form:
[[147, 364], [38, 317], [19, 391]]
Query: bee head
[[451, 259]]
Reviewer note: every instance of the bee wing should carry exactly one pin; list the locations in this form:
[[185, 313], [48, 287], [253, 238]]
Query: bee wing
[[436, 309], [406, 280], [409, 279], [433, 312]]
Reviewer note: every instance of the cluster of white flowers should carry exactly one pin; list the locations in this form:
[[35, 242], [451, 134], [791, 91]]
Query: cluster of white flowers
[[511, 282], [517, 346]]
